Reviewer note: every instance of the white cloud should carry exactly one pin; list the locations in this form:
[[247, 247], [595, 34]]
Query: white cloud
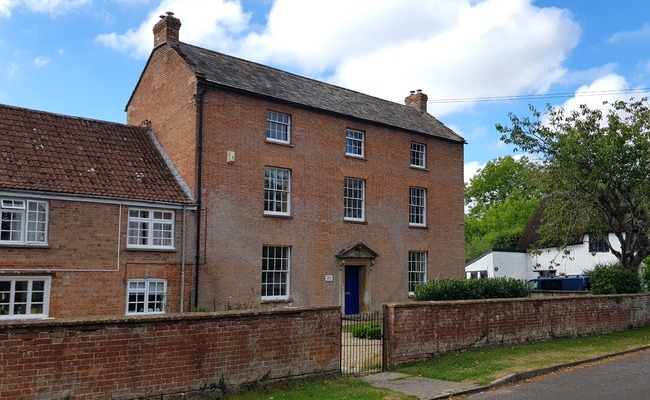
[[448, 48], [643, 33], [610, 88], [52, 7], [212, 24], [42, 61], [471, 168], [6, 6]]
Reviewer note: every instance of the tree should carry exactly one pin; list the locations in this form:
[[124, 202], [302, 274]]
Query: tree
[[501, 179], [501, 198], [597, 169]]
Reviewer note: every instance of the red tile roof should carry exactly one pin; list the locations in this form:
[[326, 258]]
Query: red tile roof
[[71, 155]]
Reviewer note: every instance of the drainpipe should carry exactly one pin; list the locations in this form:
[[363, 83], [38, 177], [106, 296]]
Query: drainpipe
[[200, 97], [183, 245]]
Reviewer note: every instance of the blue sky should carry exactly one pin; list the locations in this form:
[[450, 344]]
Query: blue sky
[[476, 60]]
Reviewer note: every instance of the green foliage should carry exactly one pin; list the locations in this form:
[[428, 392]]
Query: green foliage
[[614, 279], [501, 199], [467, 289], [202, 309], [501, 179], [597, 173], [366, 331], [645, 274]]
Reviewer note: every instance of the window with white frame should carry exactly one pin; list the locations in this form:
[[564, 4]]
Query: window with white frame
[[277, 191], [23, 221], [418, 155], [354, 142], [417, 269], [146, 296], [417, 206], [24, 297], [276, 262], [354, 199], [278, 127], [150, 229]]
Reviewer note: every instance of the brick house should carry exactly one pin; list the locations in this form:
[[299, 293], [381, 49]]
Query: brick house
[[92, 219], [310, 194]]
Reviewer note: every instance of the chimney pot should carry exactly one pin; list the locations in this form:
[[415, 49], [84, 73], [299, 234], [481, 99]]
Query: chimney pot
[[417, 100], [167, 29]]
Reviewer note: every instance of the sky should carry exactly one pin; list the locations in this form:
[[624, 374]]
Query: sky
[[477, 60]]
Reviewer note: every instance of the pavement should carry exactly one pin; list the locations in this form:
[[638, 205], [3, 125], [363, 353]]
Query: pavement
[[434, 389]]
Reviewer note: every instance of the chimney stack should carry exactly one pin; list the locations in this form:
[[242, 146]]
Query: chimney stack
[[417, 100], [167, 29]]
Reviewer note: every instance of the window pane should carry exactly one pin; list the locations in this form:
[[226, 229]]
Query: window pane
[[354, 142], [353, 199], [417, 206], [417, 269], [418, 155], [275, 271], [150, 228], [277, 190], [146, 296], [277, 126]]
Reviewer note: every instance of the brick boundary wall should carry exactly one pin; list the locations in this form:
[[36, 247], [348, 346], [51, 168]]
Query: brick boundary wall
[[419, 330], [127, 358]]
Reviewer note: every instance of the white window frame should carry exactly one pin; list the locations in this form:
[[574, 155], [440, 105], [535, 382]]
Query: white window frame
[[417, 269], [147, 228], [34, 304], [417, 206], [418, 155], [355, 143], [276, 272], [23, 221], [139, 300], [277, 191], [278, 127], [354, 199]]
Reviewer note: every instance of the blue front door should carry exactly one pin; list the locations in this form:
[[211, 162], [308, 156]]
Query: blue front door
[[352, 274]]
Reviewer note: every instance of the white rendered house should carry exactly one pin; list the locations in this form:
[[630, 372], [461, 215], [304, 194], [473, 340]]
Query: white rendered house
[[574, 259]]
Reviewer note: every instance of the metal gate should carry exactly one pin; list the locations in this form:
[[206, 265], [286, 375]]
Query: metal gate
[[362, 339]]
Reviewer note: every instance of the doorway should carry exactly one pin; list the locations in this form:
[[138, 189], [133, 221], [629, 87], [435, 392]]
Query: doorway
[[352, 301]]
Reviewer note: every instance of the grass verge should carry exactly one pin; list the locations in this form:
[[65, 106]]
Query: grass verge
[[480, 367], [341, 388], [485, 365]]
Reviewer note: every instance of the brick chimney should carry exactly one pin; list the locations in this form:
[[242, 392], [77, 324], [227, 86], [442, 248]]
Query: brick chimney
[[417, 100], [166, 30]]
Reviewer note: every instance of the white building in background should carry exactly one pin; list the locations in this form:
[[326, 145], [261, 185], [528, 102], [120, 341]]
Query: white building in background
[[574, 259]]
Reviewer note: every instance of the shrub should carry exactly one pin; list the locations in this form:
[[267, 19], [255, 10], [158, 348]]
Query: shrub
[[467, 289], [366, 331], [614, 279], [645, 274]]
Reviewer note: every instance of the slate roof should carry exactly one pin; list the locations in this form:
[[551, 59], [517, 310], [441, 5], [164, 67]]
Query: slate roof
[[70, 155], [239, 74]]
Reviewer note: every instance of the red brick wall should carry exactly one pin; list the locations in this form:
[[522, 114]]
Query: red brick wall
[[145, 357], [233, 221], [165, 97], [417, 331], [89, 263], [237, 229]]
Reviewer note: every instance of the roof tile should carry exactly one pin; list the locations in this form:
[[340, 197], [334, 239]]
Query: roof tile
[[239, 74], [71, 155]]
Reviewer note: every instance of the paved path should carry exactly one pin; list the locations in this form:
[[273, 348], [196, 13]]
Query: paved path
[[422, 388]]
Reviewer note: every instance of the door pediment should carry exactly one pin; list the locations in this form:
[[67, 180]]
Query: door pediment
[[358, 250]]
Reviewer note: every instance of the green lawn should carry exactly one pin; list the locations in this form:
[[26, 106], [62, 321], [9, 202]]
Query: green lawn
[[477, 366]]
